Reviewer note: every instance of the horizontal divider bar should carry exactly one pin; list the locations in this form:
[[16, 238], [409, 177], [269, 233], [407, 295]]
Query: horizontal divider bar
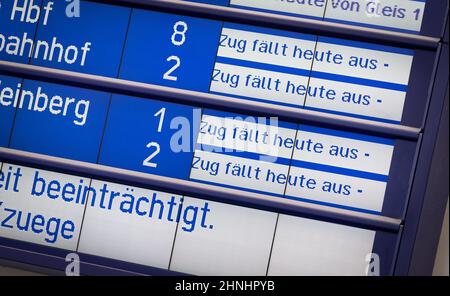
[[206, 100], [297, 24], [203, 191]]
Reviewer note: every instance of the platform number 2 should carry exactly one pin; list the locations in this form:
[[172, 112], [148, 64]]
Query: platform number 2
[[154, 147]]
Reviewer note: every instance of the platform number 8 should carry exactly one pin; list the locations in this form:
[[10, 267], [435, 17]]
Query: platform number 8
[[178, 38], [179, 33]]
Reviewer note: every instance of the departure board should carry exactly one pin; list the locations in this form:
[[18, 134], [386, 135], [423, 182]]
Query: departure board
[[116, 223]]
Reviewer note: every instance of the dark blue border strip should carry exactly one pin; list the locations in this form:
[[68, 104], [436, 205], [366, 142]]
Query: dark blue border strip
[[359, 81], [242, 154], [263, 66], [339, 171]]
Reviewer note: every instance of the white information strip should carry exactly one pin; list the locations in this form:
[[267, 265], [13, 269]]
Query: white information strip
[[239, 244], [349, 60], [328, 167], [40, 206], [388, 14], [133, 238], [149, 227], [348, 98], [246, 134], [308, 247], [268, 49], [335, 189], [239, 172], [397, 14], [332, 75], [342, 152], [315, 8], [260, 84]]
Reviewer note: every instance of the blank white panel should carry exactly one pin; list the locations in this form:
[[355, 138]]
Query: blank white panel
[[310, 247], [238, 244], [128, 237]]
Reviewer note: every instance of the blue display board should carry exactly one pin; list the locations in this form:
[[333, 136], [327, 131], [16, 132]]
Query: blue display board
[[178, 55], [145, 130], [85, 44], [357, 174], [64, 116], [336, 76], [21, 22]]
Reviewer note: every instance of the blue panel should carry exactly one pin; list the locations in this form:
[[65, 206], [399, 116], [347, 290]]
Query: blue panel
[[132, 125], [151, 42], [9, 87], [18, 32], [91, 43], [60, 121]]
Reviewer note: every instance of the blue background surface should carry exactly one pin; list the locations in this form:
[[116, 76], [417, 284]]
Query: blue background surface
[[7, 113], [16, 28], [56, 135], [149, 45], [132, 125], [103, 25]]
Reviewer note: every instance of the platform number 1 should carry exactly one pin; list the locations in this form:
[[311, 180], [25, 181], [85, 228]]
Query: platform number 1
[[154, 146]]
